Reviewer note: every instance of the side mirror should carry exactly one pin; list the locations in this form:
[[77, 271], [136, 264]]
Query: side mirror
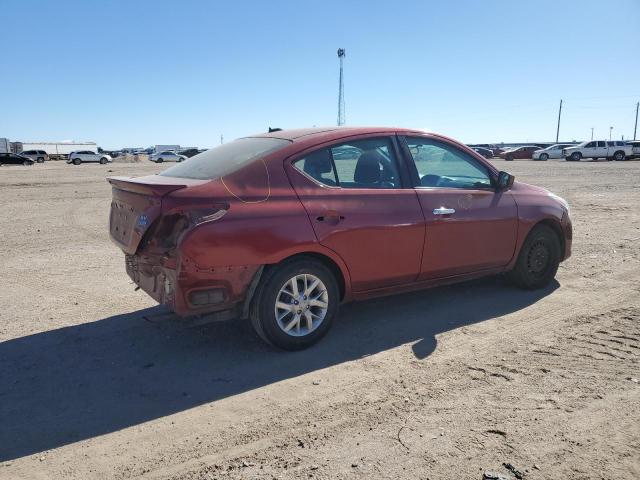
[[505, 181]]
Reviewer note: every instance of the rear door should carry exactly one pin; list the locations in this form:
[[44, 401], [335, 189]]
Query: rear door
[[362, 207], [469, 226]]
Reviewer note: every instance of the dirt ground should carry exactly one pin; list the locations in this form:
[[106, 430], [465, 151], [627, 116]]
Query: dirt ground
[[444, 384]]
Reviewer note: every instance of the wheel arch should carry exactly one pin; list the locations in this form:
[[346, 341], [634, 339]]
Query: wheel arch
[[338, 271]]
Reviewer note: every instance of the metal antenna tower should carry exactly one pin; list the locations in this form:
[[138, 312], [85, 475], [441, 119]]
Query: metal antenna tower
[[341, 54]]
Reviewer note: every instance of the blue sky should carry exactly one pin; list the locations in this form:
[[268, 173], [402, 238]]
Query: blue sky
[[137, 73]]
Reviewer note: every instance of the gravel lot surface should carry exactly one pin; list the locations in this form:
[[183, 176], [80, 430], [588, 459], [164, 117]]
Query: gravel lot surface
[[448, 383]]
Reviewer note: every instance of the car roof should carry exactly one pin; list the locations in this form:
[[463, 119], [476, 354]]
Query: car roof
[[321, 134]]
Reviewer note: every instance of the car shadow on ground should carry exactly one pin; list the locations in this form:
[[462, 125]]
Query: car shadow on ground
[[78, 382]]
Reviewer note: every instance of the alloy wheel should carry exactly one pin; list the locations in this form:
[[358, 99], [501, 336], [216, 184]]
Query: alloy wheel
[[301, 305]]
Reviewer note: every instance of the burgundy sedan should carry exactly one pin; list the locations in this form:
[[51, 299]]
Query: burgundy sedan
[[525, 152], [281, 228]]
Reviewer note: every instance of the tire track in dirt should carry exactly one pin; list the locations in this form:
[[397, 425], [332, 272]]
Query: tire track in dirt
[[547, 316]]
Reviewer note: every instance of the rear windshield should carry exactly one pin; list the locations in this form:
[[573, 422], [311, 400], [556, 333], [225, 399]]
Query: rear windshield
[[225, 159]]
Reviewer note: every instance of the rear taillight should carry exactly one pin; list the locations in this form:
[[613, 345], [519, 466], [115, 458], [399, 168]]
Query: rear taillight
[[167, 231]]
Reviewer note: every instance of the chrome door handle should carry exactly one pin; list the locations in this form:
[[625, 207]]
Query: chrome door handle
[[443, 211]]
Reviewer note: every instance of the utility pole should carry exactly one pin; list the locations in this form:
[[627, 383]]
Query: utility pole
[[636, 126], [591, 133], [341, 54], [221, 139], [558, 130], [610, 130]]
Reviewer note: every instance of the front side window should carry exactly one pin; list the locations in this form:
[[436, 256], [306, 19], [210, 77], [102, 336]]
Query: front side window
[[442, 165], [590, 145], [367, 163]]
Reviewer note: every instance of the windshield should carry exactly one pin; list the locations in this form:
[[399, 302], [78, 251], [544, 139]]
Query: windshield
[[225, 159]]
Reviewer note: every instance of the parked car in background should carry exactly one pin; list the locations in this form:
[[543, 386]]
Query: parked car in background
[[554, 151], [189, 152], [282, 227], [635, 149], [14, 159], [525, 152], [167, 156], [497, 151], [595, 149], [87, 156], [485, 152], [38, 156]]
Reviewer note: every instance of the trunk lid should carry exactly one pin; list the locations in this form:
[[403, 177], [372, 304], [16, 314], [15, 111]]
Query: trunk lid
[[136, 204]]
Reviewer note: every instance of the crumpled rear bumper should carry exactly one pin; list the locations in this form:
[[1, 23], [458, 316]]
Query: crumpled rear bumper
[[188, 289]]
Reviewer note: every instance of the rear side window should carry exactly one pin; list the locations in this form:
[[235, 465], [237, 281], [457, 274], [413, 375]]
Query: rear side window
[[601, 144], [367, 163], [319, 166], [225, 159]]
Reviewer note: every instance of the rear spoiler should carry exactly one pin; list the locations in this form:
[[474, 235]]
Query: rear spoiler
[[150, 185]]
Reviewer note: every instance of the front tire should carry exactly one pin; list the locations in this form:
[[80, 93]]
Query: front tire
[[509, 158], [159, 160], [295, 304], [40, 160], [77, 161], [576, 156], [538, 259], [544, 157]]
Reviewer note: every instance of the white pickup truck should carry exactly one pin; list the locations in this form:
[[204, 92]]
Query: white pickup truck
[[595, 149]]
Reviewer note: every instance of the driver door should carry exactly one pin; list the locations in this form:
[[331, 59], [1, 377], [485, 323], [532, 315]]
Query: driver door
[[470, 227]]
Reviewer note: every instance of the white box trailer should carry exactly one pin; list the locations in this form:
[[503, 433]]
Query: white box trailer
[[58, 150]]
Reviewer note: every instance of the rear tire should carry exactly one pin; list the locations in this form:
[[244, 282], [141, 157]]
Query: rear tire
[[103, 160], [618, 156], [538, 259], [270, 320], [509, 158]]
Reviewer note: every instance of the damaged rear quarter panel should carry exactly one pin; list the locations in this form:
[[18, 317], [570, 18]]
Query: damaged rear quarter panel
[[264, 224]]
